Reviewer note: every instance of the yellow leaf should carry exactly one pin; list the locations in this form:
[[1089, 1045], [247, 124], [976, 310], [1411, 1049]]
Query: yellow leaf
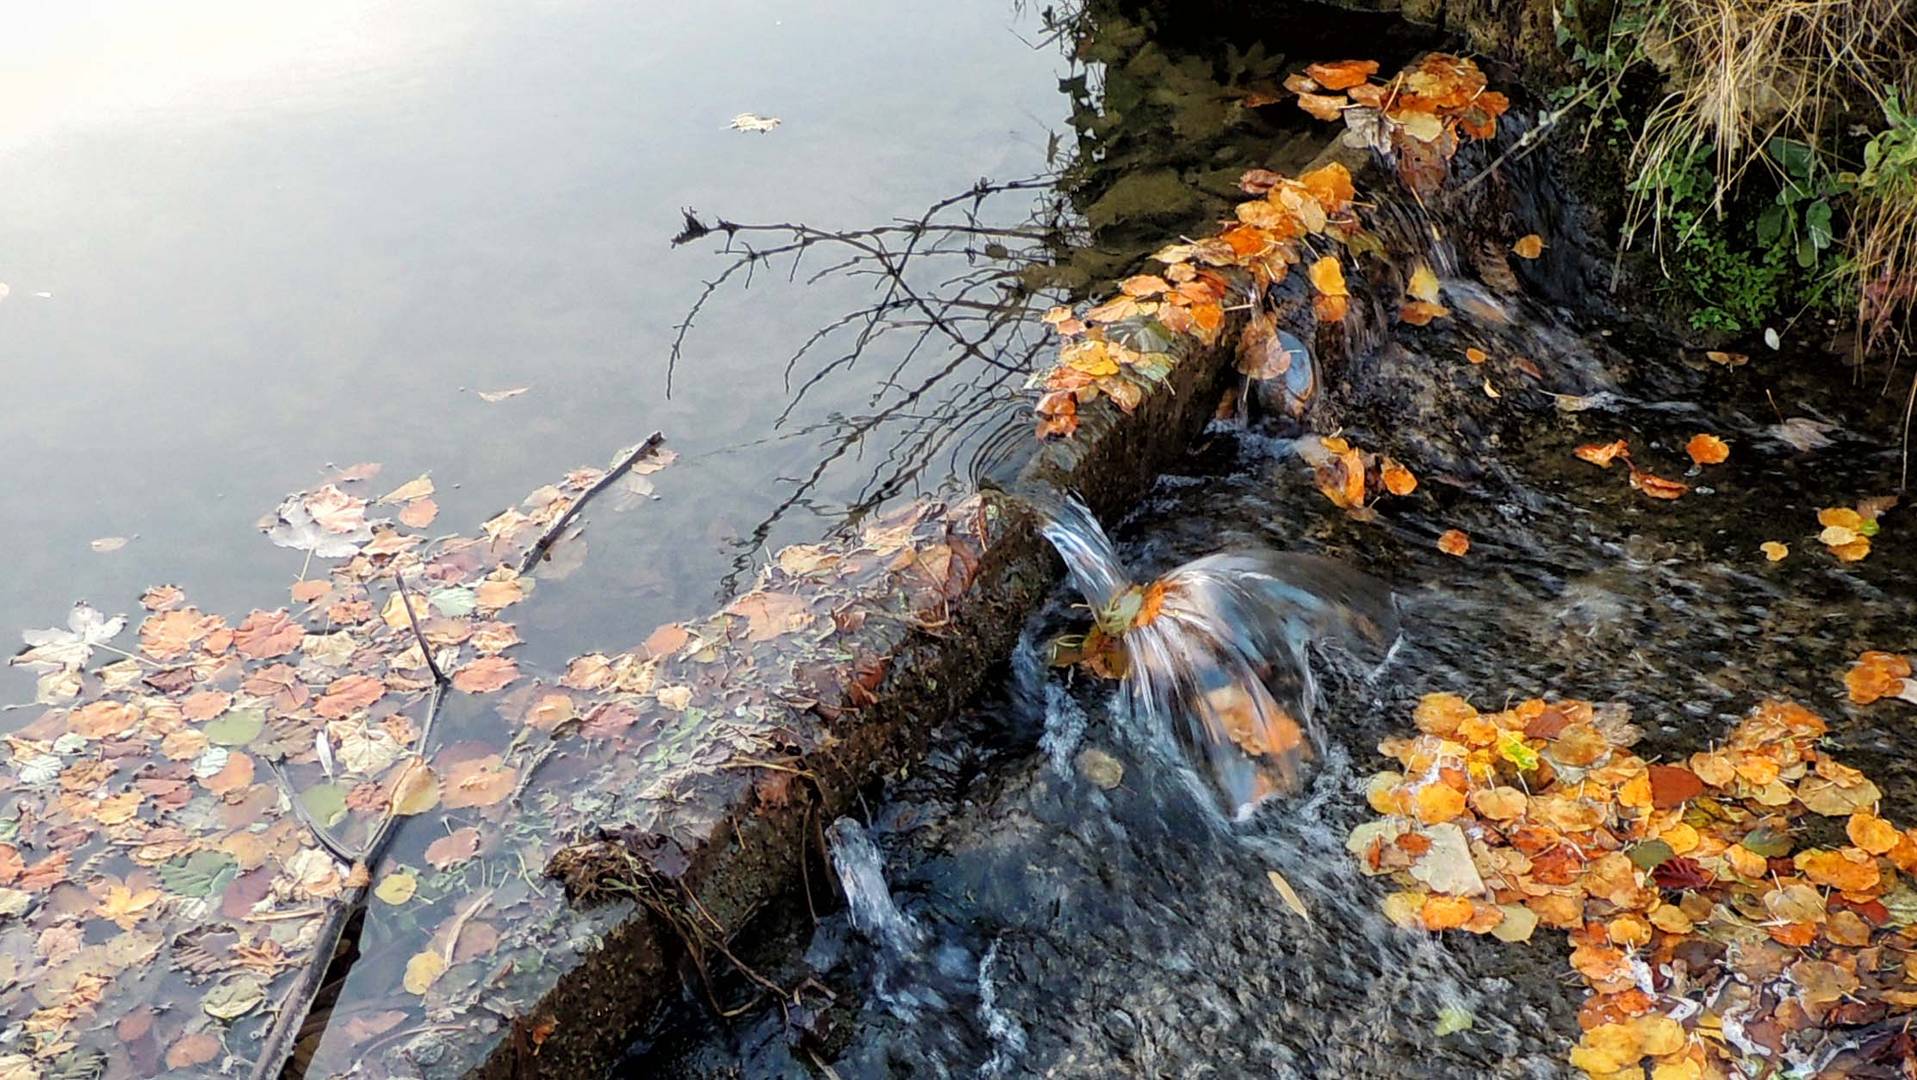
[[397, 887], [1288, 894], [1328, 277], [1774, 551], [124, 906], [416, 791], [1423, 285], [1529, 247], [423, 970], [1090, 357]]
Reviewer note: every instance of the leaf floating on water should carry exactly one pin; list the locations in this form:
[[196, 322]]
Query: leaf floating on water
[[1454, 542], [1706, 449], [1656, 486], [190, 1050], [1476, 355], [397, 887], [54, 648], [454, 848], [493, 397], [1288, 894], [423, 970], [1774, 551], [1727, 359], [107, 544], [754, 123], [1398, 480], [1529, 246], [416, 791], [234, 998], [1420, 313], [1602, 454], [1875, 675]]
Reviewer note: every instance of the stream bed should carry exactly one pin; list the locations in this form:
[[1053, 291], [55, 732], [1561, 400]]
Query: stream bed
[[1083, 907]]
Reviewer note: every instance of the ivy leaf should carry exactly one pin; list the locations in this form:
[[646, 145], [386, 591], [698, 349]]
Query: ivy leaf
[[199, 874]]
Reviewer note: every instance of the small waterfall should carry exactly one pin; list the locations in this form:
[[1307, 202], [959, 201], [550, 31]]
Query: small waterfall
[[868, 900], [1220, 648]]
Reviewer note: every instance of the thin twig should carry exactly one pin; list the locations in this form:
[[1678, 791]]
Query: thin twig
[[321, 834], [612, 476], [277, 1046], [412, 618]]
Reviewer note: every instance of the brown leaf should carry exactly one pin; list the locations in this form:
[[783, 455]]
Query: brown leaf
[[454, 848], [1672, 786], [192, 1050], [478, 782], [266, 634], [771, 614], [348, 695], [486, 674]]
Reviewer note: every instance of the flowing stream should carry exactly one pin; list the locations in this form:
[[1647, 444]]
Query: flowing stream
[[1097, 857]]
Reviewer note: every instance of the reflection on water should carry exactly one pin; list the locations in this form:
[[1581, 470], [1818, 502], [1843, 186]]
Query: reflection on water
[[276, 238]]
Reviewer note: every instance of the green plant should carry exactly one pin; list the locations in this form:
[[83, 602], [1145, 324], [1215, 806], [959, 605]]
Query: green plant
[[1800, 217]]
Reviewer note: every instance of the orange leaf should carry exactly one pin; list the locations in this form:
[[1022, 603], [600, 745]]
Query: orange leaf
[[1420, 312], [453, 848], [1331, 185], [1876, 675], [1454, 542], [477, 782], [1476, 355], [1328, 276], [1529, 247], [348, 695], [1656, 486], [486, 674], [1602, 454], [267, 634], [1707, 449], [1342, 74], [1398, 480], [1446, 912], [1872, 833]]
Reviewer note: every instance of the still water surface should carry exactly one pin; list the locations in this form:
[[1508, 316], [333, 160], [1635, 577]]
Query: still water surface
[[242, 242]]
